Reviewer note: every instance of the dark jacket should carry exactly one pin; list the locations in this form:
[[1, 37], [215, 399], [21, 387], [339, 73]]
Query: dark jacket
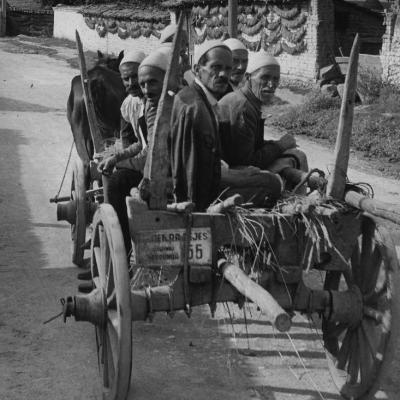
[[195, 148], [242, 131]]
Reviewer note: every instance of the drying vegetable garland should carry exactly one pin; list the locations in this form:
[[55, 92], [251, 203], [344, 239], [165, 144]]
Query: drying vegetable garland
[[125, 22], [280, 29]]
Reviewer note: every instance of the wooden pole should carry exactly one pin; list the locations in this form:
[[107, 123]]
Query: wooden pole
[[258, 295], [375, 207], [87, 96], [3, 18], [155, 171], [232, 18], [337, 180]]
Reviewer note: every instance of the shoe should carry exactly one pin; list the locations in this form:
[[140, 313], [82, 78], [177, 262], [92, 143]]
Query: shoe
[[86, 287], [85, 276]]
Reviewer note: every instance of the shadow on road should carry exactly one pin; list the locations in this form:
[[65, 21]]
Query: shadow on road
[[7, 104]]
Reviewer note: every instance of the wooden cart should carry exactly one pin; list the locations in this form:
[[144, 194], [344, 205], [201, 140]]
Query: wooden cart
[[337, 233]]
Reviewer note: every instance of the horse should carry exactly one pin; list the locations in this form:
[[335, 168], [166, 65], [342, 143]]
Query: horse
[[108, 93]]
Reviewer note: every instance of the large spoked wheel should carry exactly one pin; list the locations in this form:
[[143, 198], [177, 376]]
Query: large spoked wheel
[[78, 226], [356, 353], [109, 268]]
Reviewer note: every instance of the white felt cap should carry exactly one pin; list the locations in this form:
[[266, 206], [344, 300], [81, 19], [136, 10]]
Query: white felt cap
[[156, 59], [259, 60], [168, 32], [135, 56], [235, 44], [205, 47]]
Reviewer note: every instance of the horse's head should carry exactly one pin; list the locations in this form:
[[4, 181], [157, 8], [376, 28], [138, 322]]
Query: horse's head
[[108, 61]]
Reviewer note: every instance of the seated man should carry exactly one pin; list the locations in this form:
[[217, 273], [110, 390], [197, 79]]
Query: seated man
[[195, 141], [242, 126], [240, 57], [130, 161], [195, 150]]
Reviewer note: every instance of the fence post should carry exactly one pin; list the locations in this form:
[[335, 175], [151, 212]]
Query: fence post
[[3, 12], [232, 18]]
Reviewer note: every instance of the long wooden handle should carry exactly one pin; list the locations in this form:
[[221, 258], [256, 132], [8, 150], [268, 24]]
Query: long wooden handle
[[157, 161], [375, 207], [87, 96], [258, 295], [337, 180]]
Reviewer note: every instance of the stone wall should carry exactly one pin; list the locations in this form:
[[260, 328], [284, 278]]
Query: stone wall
[[68, 19], [390, 55], [30, 22]]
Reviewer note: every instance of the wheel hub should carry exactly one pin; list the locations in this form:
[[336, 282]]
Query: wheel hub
[[89, 307], [347, 306], [67, 211]]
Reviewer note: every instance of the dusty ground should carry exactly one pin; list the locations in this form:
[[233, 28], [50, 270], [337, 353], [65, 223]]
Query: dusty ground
[[180, 359]]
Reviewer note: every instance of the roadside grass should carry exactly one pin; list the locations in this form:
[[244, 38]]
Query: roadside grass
[[376, 126]]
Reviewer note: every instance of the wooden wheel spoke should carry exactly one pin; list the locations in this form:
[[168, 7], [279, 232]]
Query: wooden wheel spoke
[[337, 330], [112, 300], [371, 271], [78, 226], [367, 241], [349, 278], [109, 366], [374, 295], [113, 319], [110, 284], [369, 330], [374, 314], [354, 360], [344, 352], [97, 282], [366, 358], [104, 253], [113, 338]]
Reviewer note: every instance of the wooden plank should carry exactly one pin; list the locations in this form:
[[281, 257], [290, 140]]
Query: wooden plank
[[337, 179], [3, 18], [156, 168], [91, 114], [232, 18]]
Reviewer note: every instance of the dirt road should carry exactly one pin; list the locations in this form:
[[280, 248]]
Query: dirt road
[[178, 359]]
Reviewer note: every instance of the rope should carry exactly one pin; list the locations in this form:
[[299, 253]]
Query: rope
[[65, 170]]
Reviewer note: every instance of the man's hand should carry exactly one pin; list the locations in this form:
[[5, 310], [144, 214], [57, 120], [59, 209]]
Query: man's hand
[[107, 165], [287, 142]]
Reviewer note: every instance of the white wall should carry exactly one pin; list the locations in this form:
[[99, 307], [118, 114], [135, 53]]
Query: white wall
[[67, 19]]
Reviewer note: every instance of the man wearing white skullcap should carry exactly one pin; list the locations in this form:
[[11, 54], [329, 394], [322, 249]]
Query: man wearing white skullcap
[[117, 182], [195, 150], [131, 111], [242, 133], [240, 57]]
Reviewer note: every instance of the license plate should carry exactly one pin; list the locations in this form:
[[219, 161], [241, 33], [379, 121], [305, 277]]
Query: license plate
[[166, 247]]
